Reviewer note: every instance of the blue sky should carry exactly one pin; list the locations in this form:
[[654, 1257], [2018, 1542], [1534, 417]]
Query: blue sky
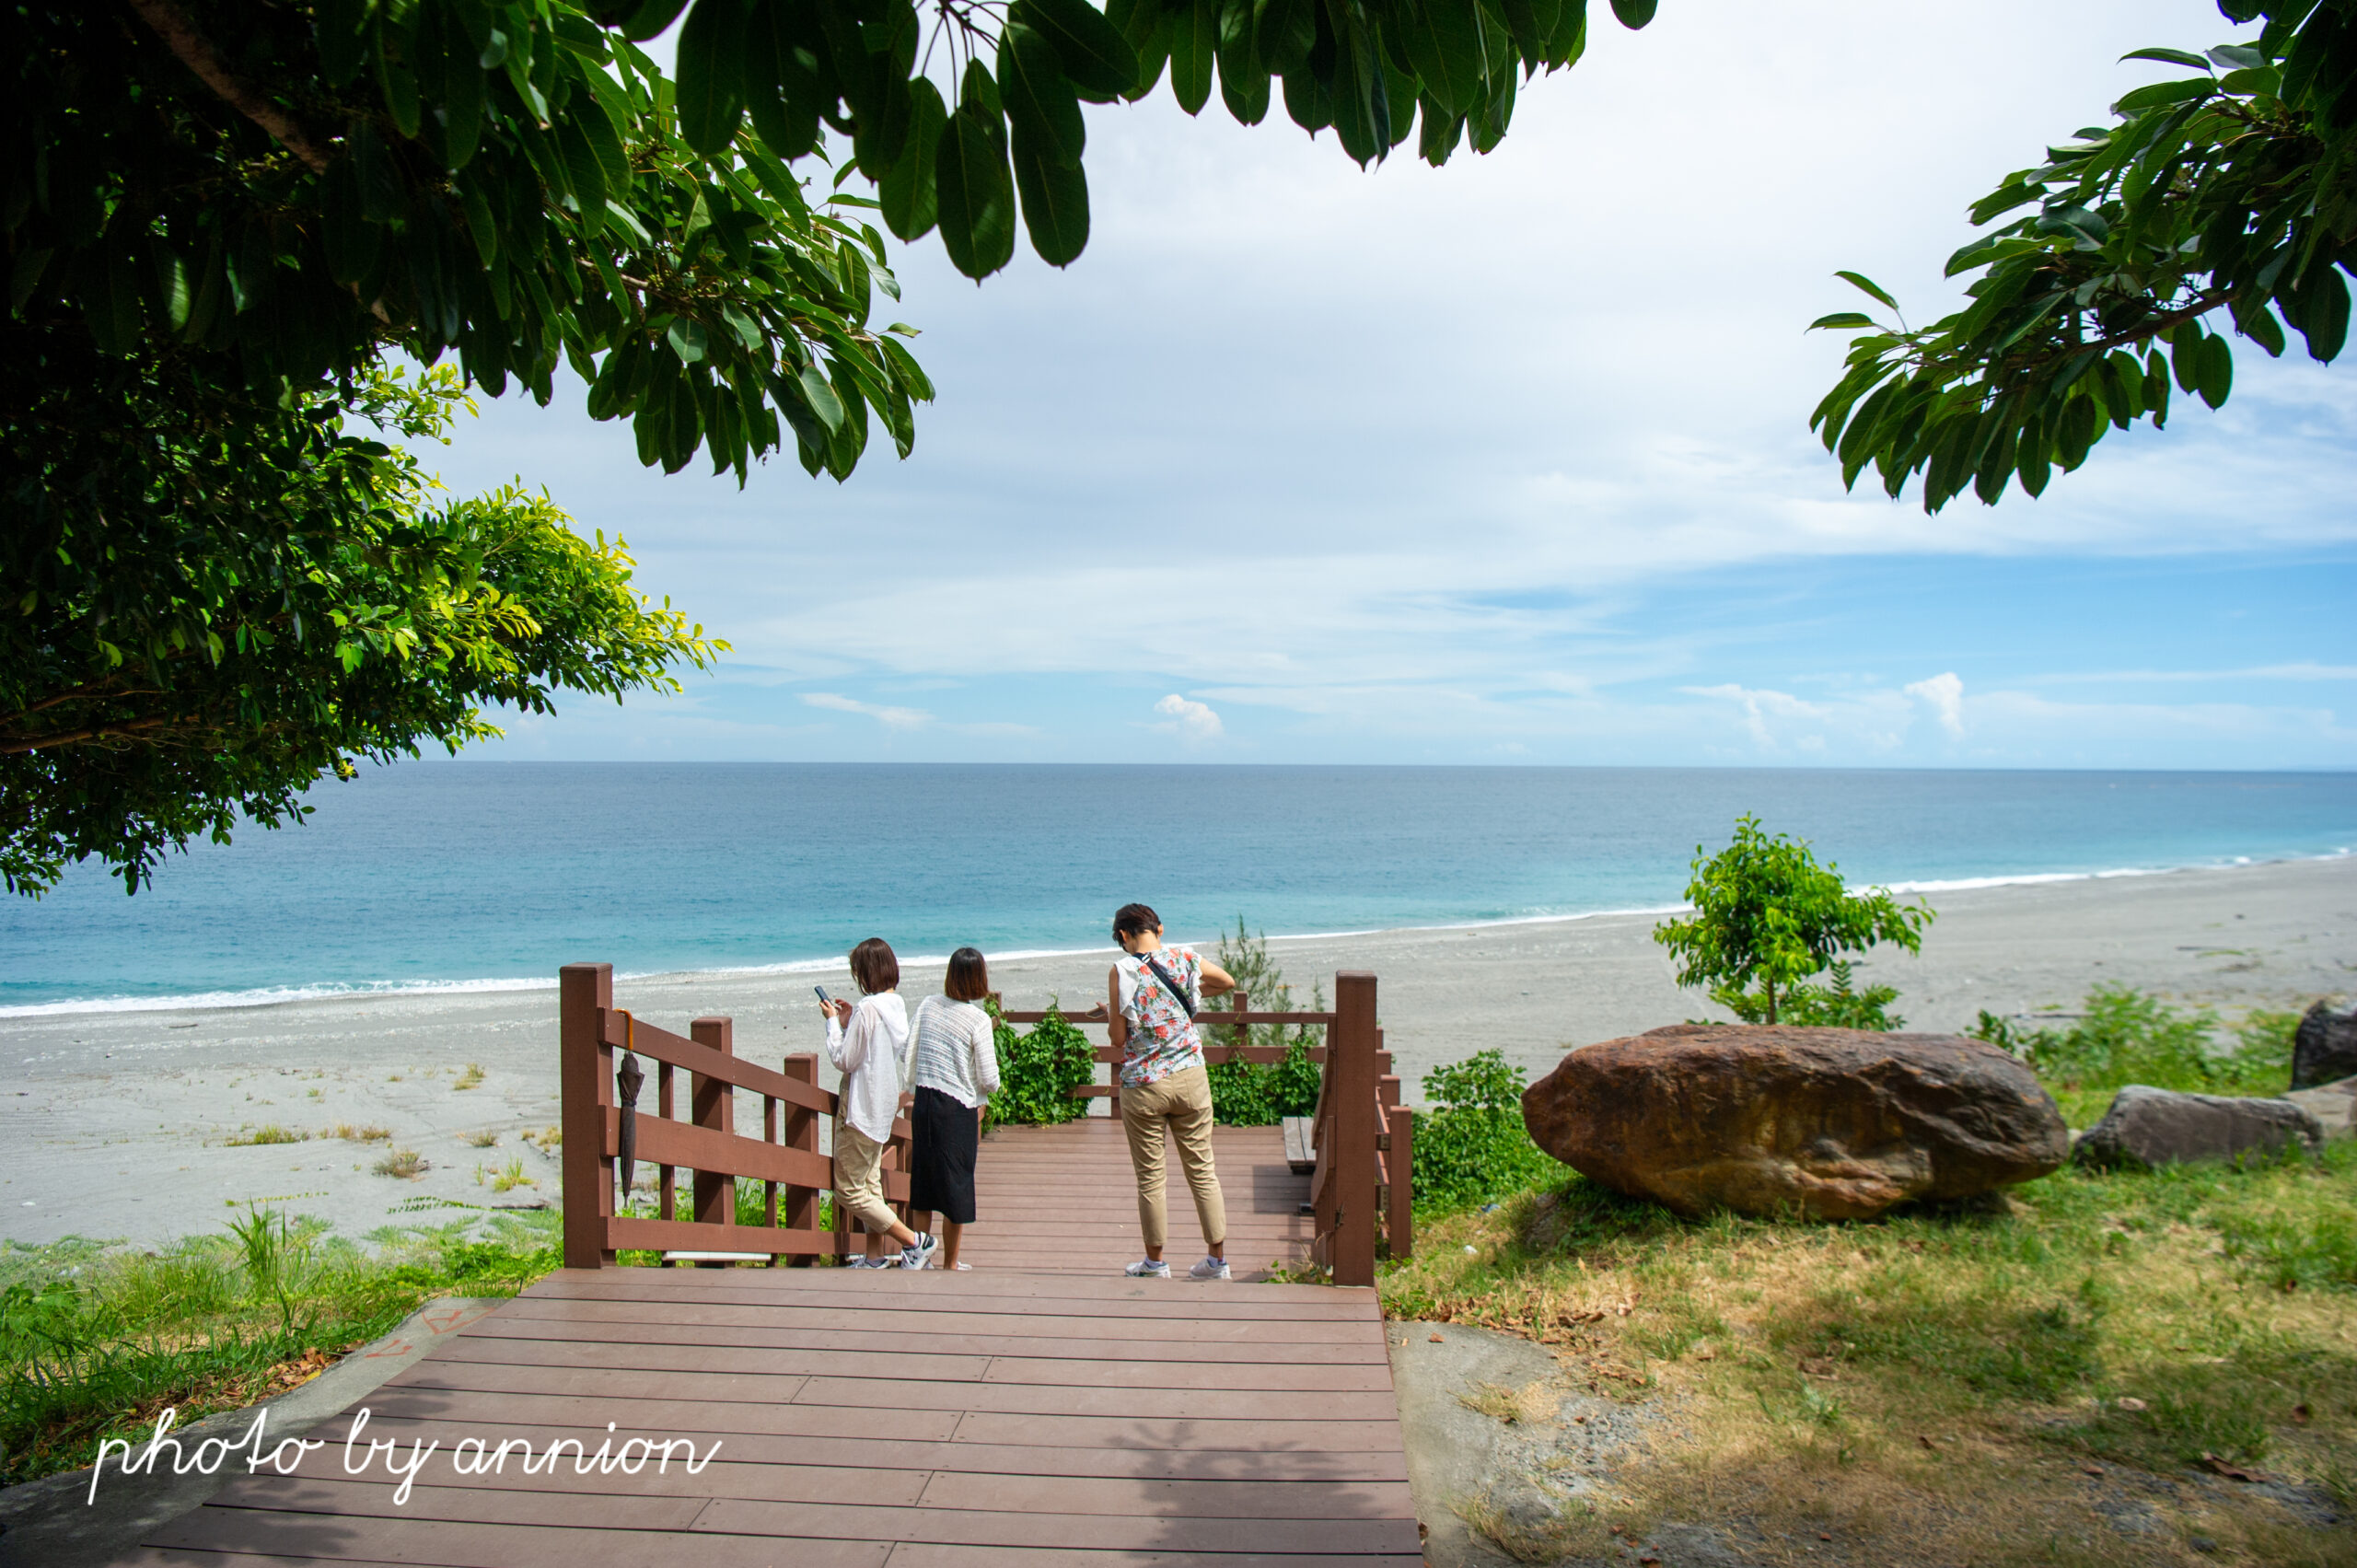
[[1506, 460]]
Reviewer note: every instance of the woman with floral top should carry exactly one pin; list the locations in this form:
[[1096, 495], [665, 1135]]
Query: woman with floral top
[[1166, 1090]]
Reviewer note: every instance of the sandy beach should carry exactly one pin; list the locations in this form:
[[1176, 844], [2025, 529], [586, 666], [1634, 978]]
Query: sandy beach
[[118, 1123]]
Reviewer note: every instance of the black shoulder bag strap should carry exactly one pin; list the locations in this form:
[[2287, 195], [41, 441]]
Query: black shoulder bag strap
[[1172, 986]]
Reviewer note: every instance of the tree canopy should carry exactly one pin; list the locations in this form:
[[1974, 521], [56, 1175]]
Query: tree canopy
[[1767, 915], [288, 599], [226, 219], [2230, 193]]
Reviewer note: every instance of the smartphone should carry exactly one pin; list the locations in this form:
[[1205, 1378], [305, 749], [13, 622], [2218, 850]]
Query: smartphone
[[824, 1000]]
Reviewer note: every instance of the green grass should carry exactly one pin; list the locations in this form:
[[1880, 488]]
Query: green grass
[[1955, 1370], [97, 1338]]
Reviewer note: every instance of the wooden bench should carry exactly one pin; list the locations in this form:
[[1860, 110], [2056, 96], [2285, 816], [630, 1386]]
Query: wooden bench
[[1300, 1156]]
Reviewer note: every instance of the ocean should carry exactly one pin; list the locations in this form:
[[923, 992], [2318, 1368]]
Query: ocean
[[490, 875]]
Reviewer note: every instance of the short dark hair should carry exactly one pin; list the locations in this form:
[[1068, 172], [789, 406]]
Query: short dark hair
[[1131, 920], [969, 978], [874, 966]]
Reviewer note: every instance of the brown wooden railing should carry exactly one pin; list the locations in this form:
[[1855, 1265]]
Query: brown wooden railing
[[785, 1157], [1363, 1137]]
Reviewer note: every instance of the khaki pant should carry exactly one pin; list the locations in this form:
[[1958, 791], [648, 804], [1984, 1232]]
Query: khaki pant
[[859, 1179], [1181, 1104]]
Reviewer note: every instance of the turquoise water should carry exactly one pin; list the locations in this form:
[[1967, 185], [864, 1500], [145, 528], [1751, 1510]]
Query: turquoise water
[[485, 874]]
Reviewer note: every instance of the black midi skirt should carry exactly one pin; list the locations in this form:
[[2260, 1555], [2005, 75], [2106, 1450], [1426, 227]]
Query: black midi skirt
[[945, 1137]]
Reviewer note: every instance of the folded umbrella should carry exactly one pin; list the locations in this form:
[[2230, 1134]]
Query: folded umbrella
[[629, 1077]]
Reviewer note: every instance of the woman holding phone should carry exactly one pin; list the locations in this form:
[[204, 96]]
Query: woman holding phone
[[956, 1070], [865, 1043]]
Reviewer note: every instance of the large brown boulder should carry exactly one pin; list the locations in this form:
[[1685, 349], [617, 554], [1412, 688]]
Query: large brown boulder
[[1770, 1120]]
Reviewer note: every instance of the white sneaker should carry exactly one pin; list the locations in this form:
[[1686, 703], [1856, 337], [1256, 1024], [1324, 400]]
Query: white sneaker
[[861, 1261], [919, 1253], [1210, 1268], [1147, 1269]]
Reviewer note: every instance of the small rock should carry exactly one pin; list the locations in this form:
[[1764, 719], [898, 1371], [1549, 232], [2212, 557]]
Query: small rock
[[1765, 1119], [2334, 1106], [2131, 1404], [2156, 1127], [2326, 1047]]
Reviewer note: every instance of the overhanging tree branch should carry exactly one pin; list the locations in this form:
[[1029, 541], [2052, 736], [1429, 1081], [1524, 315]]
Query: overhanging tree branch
[[196, 52]]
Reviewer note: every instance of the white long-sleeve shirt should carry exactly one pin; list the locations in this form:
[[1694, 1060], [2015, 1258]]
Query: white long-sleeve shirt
[[951, 1045], [867, 1053]]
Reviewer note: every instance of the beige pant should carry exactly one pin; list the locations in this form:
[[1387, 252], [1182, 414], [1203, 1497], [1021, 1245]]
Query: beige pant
[[859, 1179], [1181, 1104]]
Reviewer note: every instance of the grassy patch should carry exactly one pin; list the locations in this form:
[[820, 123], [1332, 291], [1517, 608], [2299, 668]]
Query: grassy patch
[[97, 1339], [407, 1164], [1966, 1382], [267, 1132], [470, 1078]]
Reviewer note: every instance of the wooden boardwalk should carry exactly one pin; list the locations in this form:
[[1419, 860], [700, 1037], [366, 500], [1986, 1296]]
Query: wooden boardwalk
[[1040, 1412], [1062, 1200]]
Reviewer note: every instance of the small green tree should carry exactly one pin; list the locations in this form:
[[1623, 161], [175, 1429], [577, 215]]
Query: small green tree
[[1766, 917], [1247, 1094]]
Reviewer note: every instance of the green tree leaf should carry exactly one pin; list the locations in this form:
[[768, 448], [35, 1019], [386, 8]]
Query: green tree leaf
[[1194, 45], [977, 187], [1100, 62], [1055, 200], [911, 199], [1040, 100], [711, 92]]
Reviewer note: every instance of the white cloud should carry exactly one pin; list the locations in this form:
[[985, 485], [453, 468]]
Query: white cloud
[[890, 718], [1760, 707], [1945, 695], [1381, 565], [1195, 720]]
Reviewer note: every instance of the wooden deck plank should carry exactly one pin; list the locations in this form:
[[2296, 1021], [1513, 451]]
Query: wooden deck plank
[[925, 1554], [1041, 1410], [769, 1334], [945, 1527], [1164, 1404], [748, 1444]]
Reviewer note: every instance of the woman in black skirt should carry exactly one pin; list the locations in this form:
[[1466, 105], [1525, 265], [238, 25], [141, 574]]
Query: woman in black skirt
[[956, 1070]]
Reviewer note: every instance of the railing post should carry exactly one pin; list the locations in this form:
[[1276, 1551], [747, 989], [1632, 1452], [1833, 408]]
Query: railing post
[[801, 1133], [1402, 1167], [585, 1086], [713, 1103], [1352, 1077]]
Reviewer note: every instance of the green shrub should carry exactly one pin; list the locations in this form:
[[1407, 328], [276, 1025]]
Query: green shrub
[[1038, 1070], [1248, 1094], [1471, 1146], [1838, 1007], [2125, 1037]]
